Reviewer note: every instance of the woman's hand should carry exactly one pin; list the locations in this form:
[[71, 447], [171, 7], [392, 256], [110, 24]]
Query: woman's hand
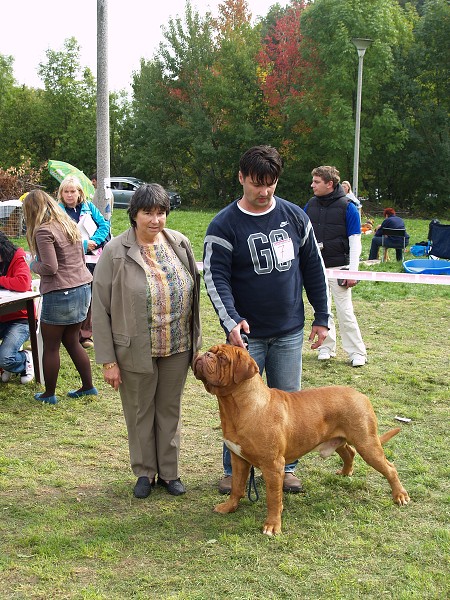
[[91, 245], [111, 374]]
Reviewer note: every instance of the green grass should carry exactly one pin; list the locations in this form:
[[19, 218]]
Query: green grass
[[70, 527]]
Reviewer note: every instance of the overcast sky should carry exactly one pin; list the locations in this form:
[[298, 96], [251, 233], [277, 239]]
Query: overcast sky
[[30, 27]]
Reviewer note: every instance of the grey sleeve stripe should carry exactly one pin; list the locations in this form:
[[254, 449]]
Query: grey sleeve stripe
[[309, 228], [227, 321], [214, 239], [306, 235]]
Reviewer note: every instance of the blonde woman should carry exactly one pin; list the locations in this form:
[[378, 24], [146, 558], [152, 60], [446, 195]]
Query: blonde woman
[[55, 242], [350, 195], [72, 199]]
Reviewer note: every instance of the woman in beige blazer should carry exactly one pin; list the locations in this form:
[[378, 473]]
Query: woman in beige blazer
[[146, 322]]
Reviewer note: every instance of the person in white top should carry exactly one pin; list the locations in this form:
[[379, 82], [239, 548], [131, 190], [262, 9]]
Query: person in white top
[[351, 196]]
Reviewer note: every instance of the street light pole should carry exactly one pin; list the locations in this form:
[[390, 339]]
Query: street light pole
[[103, 163], [361, 45]]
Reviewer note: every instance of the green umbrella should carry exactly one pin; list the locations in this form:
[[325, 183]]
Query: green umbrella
[[60, 170]]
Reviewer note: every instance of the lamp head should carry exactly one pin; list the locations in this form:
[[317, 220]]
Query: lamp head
[[361, 45]]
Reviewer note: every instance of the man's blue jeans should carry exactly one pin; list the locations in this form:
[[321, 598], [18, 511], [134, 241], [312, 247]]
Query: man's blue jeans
[[281, 359], [13, 334]]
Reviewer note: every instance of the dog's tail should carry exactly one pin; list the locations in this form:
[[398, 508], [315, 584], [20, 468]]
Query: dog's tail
[[389, 434]]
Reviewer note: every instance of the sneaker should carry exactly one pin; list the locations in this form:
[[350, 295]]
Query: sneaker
[[6, 376], [225, 485], [358, 361], [27, 375], [325, 355]]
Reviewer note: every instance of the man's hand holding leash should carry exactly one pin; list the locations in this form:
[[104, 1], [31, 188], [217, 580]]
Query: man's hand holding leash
[[238, 335]]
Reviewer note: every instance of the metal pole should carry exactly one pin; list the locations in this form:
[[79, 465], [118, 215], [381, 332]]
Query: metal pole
[[357, 127], [103, 194], [361, 46]]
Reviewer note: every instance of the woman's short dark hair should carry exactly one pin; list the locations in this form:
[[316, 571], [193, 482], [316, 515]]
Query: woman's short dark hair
[[148, 197], [7, 251], [262, 163]]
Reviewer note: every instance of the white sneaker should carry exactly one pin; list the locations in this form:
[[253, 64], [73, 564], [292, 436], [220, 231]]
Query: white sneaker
[[6, 376], [358, 361], [325, 355], [29, 369]]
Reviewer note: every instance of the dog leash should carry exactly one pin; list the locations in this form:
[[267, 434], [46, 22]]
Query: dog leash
[[252, 480], [252, 483]]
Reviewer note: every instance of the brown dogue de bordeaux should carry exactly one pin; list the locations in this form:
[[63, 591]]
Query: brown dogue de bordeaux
[[267, 427]]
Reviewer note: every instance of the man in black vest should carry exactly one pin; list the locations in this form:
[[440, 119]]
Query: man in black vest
[[337, 227]]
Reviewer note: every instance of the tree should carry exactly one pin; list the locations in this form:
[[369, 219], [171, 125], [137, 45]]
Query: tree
[[6, 91], [21, 123], [422, 94], [196, 104], [6, 79], [69, 107], [284, 77], [119, 116], [165, 102], [320, 115]]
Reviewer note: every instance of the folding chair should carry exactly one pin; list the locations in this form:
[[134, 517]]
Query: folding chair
[[386, 243], [439, 240]]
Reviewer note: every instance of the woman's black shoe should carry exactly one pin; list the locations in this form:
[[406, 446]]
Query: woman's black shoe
[[142, 488], [174, 486]]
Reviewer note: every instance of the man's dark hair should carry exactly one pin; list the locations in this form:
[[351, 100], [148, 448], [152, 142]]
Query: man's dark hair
[[262, 163], [148, 197], [94, 176], [7, 251]]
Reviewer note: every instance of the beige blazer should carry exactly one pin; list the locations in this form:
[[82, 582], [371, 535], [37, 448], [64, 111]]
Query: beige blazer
[[119, 302]]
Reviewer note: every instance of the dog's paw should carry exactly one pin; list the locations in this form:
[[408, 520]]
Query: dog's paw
[[345, 472], [271, 528], [226, 507], [401, 498]]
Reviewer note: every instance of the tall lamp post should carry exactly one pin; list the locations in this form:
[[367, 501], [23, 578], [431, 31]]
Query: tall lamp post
[[104, 203], [361, 45]]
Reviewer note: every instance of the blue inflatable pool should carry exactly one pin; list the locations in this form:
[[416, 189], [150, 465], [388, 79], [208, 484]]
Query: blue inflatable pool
[[428, 266]]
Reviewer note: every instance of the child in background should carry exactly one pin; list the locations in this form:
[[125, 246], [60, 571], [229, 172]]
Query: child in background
[[14, 331]]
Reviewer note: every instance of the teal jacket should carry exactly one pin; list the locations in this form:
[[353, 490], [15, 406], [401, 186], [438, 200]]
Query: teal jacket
[[103, 228]]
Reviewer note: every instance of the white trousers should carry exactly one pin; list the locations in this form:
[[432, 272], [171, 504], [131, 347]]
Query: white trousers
[[348, 325]]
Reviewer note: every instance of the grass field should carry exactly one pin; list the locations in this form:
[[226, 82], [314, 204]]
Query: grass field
[[71, 529]]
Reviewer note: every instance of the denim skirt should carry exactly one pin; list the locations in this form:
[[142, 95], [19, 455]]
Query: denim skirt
[[66, 307]]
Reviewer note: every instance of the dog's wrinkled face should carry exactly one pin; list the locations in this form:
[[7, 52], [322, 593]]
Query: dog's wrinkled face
[[223, 367]]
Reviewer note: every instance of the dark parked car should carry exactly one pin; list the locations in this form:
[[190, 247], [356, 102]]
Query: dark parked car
[[124, 187]]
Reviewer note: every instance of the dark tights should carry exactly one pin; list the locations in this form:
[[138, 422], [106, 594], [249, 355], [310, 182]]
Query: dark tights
[[52, 336]]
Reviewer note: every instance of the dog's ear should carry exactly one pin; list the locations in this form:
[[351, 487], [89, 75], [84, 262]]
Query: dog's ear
[[244, 366]]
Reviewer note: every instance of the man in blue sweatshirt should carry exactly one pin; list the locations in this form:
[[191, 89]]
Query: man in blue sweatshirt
[[259, 254]]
